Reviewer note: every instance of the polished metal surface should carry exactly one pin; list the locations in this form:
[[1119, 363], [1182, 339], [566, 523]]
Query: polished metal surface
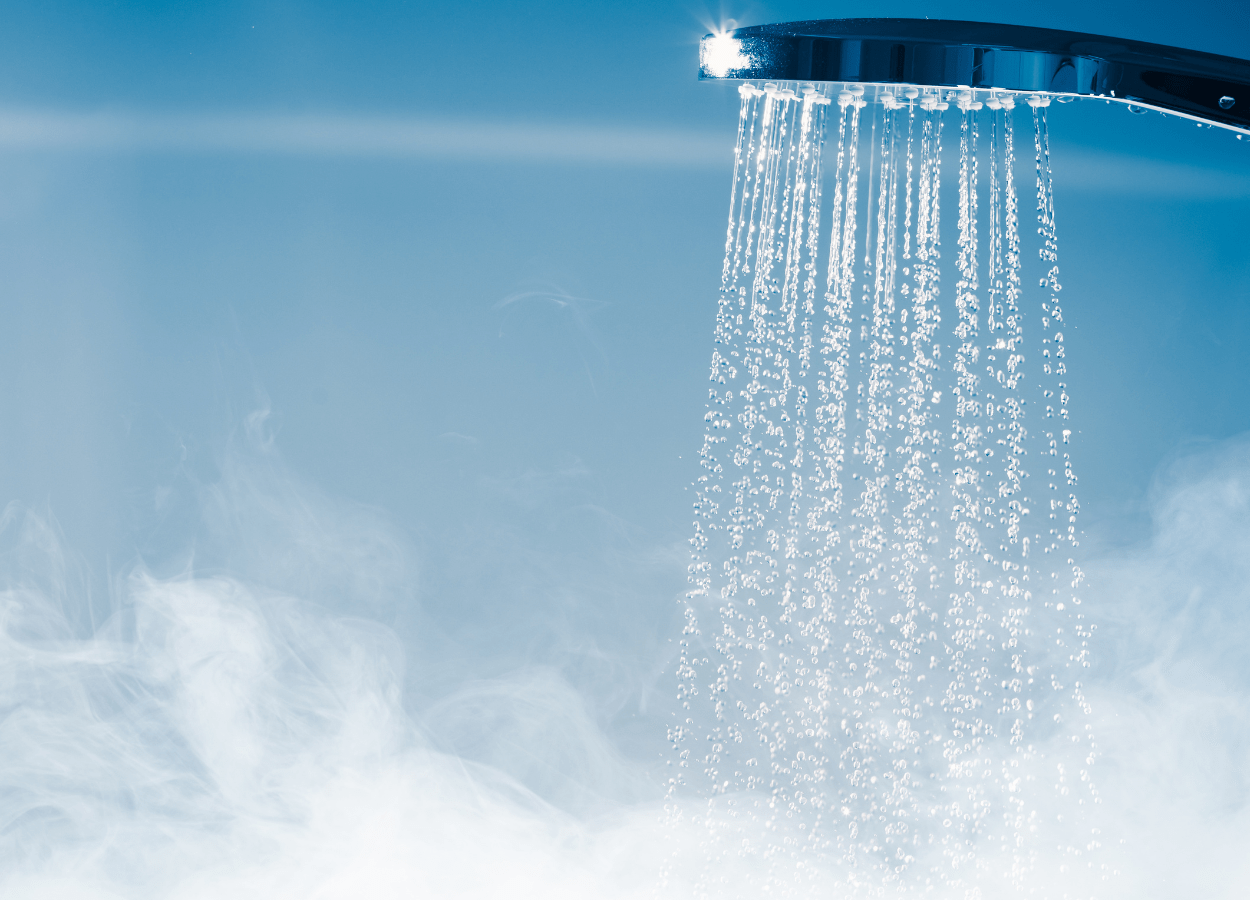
[[979, 55]]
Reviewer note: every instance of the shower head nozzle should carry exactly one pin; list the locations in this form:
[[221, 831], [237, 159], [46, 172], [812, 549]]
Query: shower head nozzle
[[982, 56]]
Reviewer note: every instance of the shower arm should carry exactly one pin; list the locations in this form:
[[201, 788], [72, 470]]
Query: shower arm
[[941, 53]]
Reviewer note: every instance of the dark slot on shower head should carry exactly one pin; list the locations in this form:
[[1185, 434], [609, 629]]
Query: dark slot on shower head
[[983, 56]]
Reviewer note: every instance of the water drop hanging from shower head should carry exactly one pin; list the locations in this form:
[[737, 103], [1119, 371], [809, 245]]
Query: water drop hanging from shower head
[[980, 56]]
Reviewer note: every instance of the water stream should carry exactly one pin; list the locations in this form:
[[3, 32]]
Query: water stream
[[881, 664]]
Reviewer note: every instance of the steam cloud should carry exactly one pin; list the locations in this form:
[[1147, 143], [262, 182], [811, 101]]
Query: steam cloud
[[216, 736], [1172, 695]]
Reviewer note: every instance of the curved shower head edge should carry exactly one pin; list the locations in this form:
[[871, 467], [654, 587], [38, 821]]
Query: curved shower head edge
[[983, 56]]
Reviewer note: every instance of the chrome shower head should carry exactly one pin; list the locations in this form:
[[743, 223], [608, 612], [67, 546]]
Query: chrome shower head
[[981, 56]]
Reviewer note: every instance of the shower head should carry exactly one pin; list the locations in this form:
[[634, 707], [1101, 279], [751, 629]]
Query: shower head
[[981, 56]]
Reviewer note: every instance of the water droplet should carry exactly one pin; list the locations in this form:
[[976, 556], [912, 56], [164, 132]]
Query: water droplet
[[1226, 102], [1137, 110]]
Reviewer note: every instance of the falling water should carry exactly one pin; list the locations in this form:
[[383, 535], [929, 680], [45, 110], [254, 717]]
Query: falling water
[[881, 664]]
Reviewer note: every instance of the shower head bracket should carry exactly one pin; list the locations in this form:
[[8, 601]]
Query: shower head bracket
[[982, 56]]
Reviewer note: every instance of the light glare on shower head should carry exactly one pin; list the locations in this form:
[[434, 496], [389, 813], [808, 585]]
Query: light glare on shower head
[[721, 53]]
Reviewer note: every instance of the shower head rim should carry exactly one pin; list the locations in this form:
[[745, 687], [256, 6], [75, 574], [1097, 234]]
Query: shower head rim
[[955, 54]]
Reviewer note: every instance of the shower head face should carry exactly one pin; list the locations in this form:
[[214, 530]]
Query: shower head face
[[980, 55]]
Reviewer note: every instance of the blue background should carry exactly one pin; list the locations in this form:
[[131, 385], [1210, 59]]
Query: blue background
[[494, 360]]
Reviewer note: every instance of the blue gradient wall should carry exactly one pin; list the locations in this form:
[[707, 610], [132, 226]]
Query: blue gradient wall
[[405, 309]]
